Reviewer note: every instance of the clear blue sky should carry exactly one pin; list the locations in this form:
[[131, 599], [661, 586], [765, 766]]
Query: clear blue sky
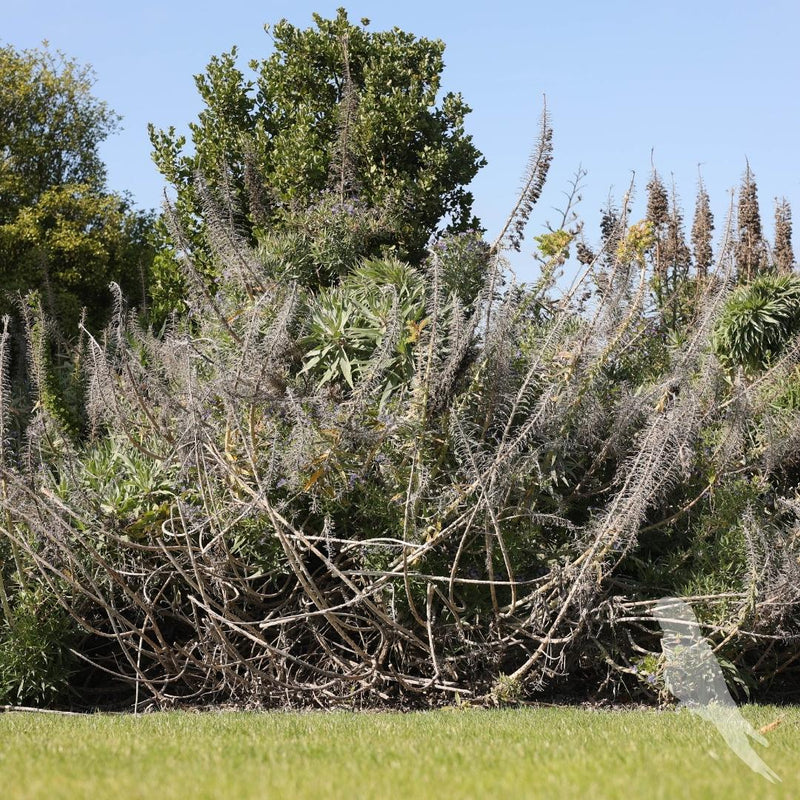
[[708, 82]]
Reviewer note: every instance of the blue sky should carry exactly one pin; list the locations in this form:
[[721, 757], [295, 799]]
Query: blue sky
[[708, 82]]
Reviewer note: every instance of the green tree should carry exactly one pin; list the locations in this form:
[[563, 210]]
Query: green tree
[[61, 232], [336, 113]]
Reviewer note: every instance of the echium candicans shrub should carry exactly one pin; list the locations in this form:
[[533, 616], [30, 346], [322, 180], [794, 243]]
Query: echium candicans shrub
[[409, 484]]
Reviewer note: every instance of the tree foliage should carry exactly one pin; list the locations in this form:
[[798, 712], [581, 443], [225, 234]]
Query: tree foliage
[[51, 126], [61, 232], [335, 110]]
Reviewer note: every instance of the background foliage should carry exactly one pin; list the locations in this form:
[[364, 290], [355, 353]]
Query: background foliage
[[61, 232]]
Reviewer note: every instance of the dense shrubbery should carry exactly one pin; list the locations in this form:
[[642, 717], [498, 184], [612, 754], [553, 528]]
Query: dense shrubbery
[[340, 119], [340, 478], [385, 491]]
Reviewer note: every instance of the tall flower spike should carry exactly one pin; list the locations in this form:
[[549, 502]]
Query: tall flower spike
[[783, 252], [5, 388], [227, 242], [657, 201], [513, 231], [702, 227], [343, 170]]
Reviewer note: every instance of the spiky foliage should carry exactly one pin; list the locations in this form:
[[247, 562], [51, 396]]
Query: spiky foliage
[[783, 251], [379, 306], [484, 501], [513, 231]]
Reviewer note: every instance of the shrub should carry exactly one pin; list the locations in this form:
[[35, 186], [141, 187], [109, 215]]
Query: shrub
[[758, 322], [35, 658], [377, 308], [395, 487]]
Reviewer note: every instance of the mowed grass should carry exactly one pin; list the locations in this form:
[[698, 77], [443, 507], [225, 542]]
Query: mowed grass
[[535, 752]]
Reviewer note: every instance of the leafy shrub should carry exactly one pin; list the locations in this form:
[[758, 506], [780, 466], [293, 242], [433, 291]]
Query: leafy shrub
[[35, 659], [758, 321], [463, 260], [378, 306], [395, 486], [323, 242]]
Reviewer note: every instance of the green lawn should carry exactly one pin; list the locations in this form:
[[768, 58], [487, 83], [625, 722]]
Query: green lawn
[[541, 752]]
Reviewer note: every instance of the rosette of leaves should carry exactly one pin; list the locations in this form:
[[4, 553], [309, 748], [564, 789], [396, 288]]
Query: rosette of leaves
[[758, 321], [123, 488], [349, 324]]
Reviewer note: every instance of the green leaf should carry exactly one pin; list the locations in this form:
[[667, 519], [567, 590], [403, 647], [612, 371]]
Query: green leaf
[[346, 370]]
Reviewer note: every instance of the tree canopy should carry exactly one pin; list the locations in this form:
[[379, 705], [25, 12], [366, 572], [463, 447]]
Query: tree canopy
[[336, 112], [61, 232]]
